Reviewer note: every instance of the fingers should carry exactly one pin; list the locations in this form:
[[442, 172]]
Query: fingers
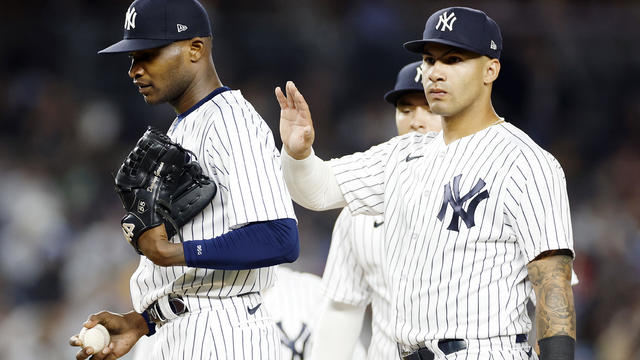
[[292, 99], [95, 319], [84, 353], [105, 354], [300, 101], [75, 341], [291, 93], [282, 100]]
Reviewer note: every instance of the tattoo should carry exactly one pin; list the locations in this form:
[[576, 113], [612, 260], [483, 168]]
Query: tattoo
[[551, 279]]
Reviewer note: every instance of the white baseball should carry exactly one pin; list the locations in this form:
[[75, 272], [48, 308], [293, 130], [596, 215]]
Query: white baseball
[[97, 337]]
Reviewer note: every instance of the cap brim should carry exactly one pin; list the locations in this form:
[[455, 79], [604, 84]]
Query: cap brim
[[128, 45], [417, 46], [392, 96]]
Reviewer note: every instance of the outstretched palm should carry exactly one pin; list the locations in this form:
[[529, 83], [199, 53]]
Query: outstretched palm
[[296, 126]]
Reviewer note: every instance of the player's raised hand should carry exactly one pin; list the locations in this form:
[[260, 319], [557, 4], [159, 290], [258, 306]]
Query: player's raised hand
[[296, 126], [124, 330]]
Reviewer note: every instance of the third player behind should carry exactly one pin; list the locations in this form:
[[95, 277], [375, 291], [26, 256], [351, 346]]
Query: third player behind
[[354, 275], [476, 216]]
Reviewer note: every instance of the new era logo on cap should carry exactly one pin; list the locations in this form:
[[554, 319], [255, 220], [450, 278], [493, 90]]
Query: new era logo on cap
[[461, 27], [181, 27]]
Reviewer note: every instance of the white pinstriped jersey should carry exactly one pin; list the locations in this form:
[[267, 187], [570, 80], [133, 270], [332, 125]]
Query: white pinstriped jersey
[[355, 274], [235, 148], [462, 221]]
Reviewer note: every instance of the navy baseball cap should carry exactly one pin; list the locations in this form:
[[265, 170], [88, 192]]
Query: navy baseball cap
[[150, 24], [462, 27], [409, 81]]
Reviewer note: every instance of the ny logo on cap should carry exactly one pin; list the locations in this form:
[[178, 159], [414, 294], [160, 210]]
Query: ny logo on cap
[[446, 21], [130, 19], [418, 73]]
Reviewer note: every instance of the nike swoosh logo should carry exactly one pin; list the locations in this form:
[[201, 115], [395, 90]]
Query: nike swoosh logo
[[253, 310], [409, 157], [376, 224]]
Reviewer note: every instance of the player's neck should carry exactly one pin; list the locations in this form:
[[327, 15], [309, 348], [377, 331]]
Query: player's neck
[[468, 122], [200, 87]]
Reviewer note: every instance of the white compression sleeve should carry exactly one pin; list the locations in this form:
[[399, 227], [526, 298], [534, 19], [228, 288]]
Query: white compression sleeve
[[338, 330], [311, 182]]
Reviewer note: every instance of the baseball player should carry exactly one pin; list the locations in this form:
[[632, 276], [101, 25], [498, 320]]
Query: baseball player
[[354, 275], [476, 216], [201, 299]]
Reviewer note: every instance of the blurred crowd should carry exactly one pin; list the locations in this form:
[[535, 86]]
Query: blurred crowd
[[570, 78]]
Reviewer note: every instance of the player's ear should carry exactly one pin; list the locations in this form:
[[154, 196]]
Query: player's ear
[[197, 49], [491, 71]]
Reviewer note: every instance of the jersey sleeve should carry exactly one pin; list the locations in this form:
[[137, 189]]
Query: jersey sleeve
[[538, 206], [251, 165], [344, 278], [361, 177]]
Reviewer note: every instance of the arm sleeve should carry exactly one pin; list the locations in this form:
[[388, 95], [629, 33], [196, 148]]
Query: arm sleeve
[[344, 278], [338, 331], [311, 182], [361, 177], [356, 180], [538, 205], [253, 246]]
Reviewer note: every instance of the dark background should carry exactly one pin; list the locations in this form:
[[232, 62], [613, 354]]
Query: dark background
[[570, 78]]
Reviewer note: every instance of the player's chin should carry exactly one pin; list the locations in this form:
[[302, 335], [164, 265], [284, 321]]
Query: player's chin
[[439, 108], [151, 100]]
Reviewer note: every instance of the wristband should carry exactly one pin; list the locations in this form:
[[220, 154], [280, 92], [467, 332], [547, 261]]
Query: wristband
[[558, 347], [150, 324]]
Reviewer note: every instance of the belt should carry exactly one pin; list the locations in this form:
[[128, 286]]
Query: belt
[[448, 346], [166, 308]]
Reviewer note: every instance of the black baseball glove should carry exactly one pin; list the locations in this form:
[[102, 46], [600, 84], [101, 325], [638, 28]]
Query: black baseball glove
[[159, 183]]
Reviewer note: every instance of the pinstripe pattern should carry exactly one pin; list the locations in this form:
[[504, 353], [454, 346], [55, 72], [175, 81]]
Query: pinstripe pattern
[[222, 329], [354, 275], [293, 302], [471, 283], [235, 148]]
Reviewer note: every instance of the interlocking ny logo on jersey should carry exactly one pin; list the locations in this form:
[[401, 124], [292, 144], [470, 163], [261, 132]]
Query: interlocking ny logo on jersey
[[452, 197], [130, 19], [446, 21], [298, 344]]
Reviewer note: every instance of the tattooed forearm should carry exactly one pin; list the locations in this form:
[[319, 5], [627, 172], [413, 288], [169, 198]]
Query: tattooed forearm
[[555, 312]]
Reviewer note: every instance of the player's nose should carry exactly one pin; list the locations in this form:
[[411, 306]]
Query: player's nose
[[135, 70], [434, 72], [417, 125]]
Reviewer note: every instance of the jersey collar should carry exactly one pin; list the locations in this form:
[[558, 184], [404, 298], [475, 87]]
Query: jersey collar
[[204, 100]]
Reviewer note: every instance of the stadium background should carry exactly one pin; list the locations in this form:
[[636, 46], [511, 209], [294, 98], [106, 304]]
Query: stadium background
[[570, 78]]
